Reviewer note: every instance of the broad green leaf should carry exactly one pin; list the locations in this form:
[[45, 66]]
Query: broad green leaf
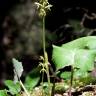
[[79, 58], [3, 93], [32, 78], [18, 69], [79, 53], [13, 88]]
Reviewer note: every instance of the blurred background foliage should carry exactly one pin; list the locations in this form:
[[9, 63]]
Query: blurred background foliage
[[21, 30]]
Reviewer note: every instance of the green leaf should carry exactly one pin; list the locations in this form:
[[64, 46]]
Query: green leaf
[[18, 69], [78, 58], [80, 53], [3, 93], [32, 78], [13, 88]]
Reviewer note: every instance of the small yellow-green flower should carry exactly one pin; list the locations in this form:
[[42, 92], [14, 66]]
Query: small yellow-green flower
[[43, 6]]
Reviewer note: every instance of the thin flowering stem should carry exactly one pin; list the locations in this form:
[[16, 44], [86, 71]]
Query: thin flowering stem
[[45, 55], [44, 50], [43, 6]]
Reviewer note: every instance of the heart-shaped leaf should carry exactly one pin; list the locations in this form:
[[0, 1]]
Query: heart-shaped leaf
[[79, 58], [79, 53]]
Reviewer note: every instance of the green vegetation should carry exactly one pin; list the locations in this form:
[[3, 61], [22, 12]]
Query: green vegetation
[[79, 55], [79, 58], [76, 55]]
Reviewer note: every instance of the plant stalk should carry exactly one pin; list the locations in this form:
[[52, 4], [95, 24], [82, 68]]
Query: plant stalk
[[24, 88], [45, 55], [48, 77], [42, 83], [44, 50], [71, 81]]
